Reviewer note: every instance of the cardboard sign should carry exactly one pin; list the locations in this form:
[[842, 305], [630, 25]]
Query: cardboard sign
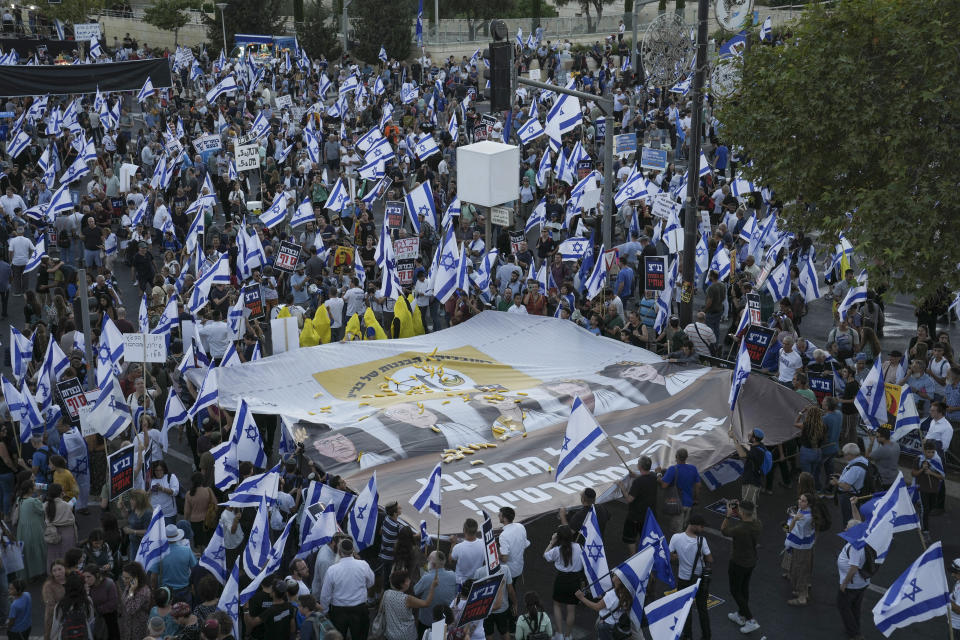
[[653, 159], [490, 545], [287, 256], [664, 205], [480, 600], [253, 300], [120, 464], [72, 397], [822, 386], [144, 347], [284, 334], [393, 213], [516, 237], [248, 157], [654, 273], [758, 341], [753, 305], [209, 142], [500, 216], [86, 31], [284, 102], [624, 144], [406, 251]]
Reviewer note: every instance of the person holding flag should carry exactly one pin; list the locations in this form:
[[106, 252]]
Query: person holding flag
[[929, 475], [613, 609]]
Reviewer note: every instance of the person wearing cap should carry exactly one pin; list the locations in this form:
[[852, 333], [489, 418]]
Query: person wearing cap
[[745, 535], [891, 366], [175, 567], [690, 549], [344, 593], [853, 583], [156, 628], [188, 622], [752, 455]]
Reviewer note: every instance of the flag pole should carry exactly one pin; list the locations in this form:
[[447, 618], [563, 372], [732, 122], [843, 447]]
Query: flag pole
[[617, 451]]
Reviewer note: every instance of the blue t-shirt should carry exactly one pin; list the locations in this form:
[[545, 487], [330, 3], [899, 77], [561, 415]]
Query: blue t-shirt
[[176, 565], [624, 278], [20, 613], [721, 160], [686, 476]]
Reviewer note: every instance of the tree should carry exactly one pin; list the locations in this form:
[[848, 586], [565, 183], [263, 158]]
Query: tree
[[168, 15], [478, 13], [585, 6], [316, 33], [261, 17], [75, 11], [387, 24], [854, 116]]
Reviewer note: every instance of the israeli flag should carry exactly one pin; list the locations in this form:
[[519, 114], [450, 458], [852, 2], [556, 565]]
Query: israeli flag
[[721, 262], [110, 351], [231, 358], [272, 564], [538, 217], [420, 202], [226, 471], [261, 486], [428, 497], [741, 188], [408, 93], [740, 374], [207, 395], [634, 573], [246, 436], [146, 90], [447, 268], [317, 531], [530, 131], [258, 542], [61, 202], [583, 433], [855, 295], [349, 84], [369, 139], [724, 472], [341, 501], [142, 316], [153, 545], [544, 168], [673, 233], [261, 125], [214, 557], [808, 283], [778, 284], [383, 54], [39, 253], [303, 213], [633, 189], [229, 598], [339, 197], [15, 404], [702, 256], [920, 593], [227, 85], [168, 319], [573, 249], [870, 400], [77, 169], [426, 146], [598, 277], [667, 616], [363, 516], [373, 170], [766, 29], [381, 149], [564, 116], [174, 414], [594, 556], [378, 88], [893, 513], [276, 213], [19, 142], [908, 418], [218, 273]]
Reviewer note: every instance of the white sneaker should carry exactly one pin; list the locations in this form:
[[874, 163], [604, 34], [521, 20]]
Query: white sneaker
[[737, 618], [751, 626]]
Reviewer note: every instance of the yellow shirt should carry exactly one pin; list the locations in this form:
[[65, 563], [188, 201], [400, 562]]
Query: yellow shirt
[[65, 479]]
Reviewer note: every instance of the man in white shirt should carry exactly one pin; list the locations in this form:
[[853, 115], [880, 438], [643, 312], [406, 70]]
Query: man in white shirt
[[468, 553], [690, 548], [343, 595], [216, 335], [517, 306], [513, 542], [326, 558], [852, 586], [940, 429], [355, 299], [700, 335], [334, 305], [11, 202], [789, 362], [20, 248]]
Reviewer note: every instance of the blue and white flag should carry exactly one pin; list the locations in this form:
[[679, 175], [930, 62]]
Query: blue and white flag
[[453, 129], [428, 497], [146, 90], [740, 373], [870, 400], [766, 29], [21, 352], [667, 616], [381, 150], [276, 212], [447, 268], [363, 516], [246, 436], [808, 283], [778, 284], [258, 542], [228, 84], [420, 203], [652, 536], [303, 213], [142, 316], [530, 131], [214, 557], [598, 277], [408, 93], [19, 142], [855, 295], [174, 414], [369, 139], [426, 146], [231, 358], [260, 126], [17, 408], [908, 418], [230, 598], [39, 253], [111, 344], [583, 433], [219, 273], [341, 500], [893, 513], [317, 531], [271, 566], [702, 255], [573, 249], [339, 197], [110, 414], [207, 395], [383, 53], [226, 470], [594, 556], [75, 171], [724, 472], [721, 262], [153, 545], [373, 170], [564, 116], [920, 593], [634, 573], [634, 188], [251, 491], [544, 168]]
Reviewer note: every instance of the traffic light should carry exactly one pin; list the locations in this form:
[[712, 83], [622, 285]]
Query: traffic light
[[500, 55]]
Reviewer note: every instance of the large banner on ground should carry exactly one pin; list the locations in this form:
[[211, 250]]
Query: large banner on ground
[[27, 80], [491, 397]]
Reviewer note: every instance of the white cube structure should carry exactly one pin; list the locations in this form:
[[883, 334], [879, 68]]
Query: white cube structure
[[488, 173]]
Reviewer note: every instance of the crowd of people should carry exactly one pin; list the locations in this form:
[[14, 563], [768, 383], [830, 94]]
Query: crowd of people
[[182, 216]]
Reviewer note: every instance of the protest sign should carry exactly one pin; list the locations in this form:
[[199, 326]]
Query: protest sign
[[663, 206], [758, 341], [624, 144], [654, 273], [406, 251], [72, 398], [120, 464], [490, 545], [653, 159], [287, 256], [393, 213], [584, 167], [480, 600], [253, 300], [284, 102], [144, 347], [892, 394], [753, 304], [248, 157], [500, 216], [822, 386], [86, 31], [516, 237], [208, 142], [480, 132]]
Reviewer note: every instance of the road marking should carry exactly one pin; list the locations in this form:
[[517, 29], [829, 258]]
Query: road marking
[[180, 456]]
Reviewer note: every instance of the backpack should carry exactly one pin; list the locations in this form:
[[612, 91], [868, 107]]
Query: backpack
[[821, 516], [869, 562], [767, 460], [871, 479], [537, 634], [74, 625]]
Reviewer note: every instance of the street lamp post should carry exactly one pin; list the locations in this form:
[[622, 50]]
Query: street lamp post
[[223, 23]]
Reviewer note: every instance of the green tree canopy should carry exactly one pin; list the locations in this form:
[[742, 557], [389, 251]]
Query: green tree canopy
[[168, 14], [389, 24], [261, 17], [75, 11], [858, 114], [317, 33]]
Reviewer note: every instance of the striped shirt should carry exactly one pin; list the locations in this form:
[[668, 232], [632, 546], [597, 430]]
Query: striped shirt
[[388, 538]]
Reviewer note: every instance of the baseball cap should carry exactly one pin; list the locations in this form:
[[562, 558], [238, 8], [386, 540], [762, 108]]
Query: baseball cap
[[758, 433], [861, 357], [955, 565]]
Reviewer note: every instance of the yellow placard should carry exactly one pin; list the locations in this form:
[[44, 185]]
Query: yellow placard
[[891, 392]]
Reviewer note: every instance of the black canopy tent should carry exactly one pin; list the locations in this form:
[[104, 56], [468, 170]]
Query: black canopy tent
[[28, 80]]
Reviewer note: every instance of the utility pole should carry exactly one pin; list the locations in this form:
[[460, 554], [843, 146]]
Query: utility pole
[[345, 25], [87, 329], [223, 23], [606, 105], [693, 170]]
